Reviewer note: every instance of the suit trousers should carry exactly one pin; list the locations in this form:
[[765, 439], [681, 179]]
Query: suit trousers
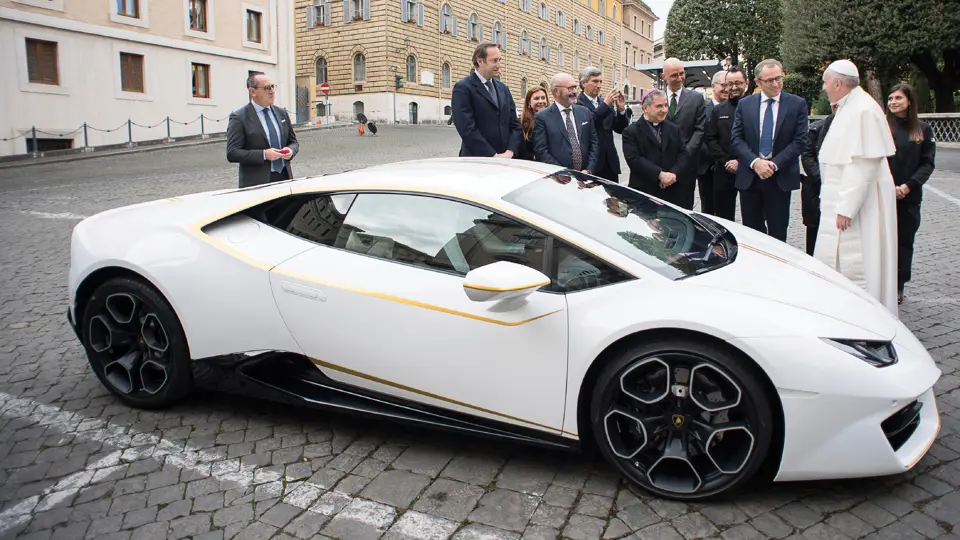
[[707, 195], [724, 195], [766, 208], [605, 171], [908, 223]]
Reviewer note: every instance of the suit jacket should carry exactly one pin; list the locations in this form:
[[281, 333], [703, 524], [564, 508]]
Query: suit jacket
[[647, 158], [607, 121], [789, 139], [485, 128], [718, 134], [691, 118], [550, 142], [810, 188], [246, 141], [704, 163]]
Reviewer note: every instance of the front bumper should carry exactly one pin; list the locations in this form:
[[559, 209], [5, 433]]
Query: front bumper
[[844, 418]]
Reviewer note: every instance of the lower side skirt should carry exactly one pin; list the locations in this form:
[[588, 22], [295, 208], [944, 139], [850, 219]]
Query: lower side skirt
[[292, 379]]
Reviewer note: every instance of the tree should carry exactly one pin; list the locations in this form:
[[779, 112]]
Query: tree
[[885, 38], [747, 31]]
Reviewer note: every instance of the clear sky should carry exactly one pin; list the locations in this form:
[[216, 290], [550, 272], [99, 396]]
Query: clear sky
[[660, 8]]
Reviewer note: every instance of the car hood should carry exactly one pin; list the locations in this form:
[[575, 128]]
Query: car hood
[[772, 270]]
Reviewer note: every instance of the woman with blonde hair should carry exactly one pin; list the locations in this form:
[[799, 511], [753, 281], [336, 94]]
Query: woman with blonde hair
[[536, 100]]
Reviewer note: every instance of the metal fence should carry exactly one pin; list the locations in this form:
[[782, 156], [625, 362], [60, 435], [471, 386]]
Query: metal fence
[[946, 126]]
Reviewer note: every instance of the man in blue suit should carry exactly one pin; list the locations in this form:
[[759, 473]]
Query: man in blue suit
[[564, 133], [769, 134], [483, 109]]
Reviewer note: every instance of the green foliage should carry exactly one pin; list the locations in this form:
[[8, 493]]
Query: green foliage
[[809, 88], [748, 31]]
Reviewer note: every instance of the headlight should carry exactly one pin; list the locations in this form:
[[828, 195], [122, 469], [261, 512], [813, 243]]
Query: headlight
[[875, 353]]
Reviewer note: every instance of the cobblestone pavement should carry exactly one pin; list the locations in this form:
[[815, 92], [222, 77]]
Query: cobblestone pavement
[[75, 463]]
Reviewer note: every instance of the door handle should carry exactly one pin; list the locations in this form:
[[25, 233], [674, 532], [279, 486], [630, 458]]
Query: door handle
[[300, 290]]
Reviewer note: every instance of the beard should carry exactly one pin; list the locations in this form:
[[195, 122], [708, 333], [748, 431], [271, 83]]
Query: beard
[[733, 100]]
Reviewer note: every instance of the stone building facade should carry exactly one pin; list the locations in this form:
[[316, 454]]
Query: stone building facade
[[362, 48], [637, 38]]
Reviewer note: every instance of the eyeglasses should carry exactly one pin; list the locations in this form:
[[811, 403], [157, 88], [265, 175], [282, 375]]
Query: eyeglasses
[[267, 87], [772, 80]]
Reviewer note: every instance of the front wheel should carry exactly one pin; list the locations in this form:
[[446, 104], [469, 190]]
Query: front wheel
[[136, 345], [683, 420]]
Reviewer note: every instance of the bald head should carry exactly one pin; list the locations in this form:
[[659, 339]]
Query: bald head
[[674, 74], [564, 88]]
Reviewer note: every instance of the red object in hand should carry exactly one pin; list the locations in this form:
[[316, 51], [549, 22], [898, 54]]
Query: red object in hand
[[285, 151]]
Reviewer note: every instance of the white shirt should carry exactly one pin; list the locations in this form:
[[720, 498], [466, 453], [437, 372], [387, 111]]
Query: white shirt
[[671, 93], [563, 116]]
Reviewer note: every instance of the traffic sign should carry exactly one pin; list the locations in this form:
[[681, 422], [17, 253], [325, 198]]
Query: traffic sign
[[325, 88]]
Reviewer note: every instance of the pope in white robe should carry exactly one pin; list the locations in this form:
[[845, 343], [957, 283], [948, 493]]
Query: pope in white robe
[[858, 220]]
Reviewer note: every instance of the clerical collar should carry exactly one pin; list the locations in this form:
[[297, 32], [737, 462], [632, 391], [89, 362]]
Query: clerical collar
[[651, 122]]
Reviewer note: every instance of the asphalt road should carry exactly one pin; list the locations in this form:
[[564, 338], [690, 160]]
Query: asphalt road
[[75, 463]]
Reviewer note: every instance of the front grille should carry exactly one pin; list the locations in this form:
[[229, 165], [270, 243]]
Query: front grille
[[901, 426]]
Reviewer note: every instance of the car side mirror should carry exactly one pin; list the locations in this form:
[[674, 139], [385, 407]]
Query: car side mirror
[[501, 280]]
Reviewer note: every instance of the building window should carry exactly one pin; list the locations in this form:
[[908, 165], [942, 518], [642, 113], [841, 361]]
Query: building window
[[254, 26], [614, 12], [634, 57], [359, 68], [474, 28], [357, 108], [42, 62], [128, 8], [201, 80], [197, 11], [524, 44], [446, 19], [131, 72], [445, 75], [561, 18], [577, 27], [523, 88], [560, 54], [411, 69], [321, 70], [318, 15], [602, 8], [496, 35], [544, 11], [543, 48]]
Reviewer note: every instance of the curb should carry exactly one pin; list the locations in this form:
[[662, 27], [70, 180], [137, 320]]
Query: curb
[[142, 146]]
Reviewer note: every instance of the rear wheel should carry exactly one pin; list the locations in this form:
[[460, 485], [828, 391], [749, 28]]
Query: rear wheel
[[136, 345], [682, 420]]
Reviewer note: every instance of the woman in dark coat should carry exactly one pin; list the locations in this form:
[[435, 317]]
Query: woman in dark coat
[[535, 101], [911, 166]]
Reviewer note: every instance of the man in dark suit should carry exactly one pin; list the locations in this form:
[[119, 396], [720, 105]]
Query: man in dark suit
[[688, 111], [718, 135], [564, 133], [483, 108], [609, 114], [810, 183], [654, 150], [260, 136], [769, 134], [704, 162]]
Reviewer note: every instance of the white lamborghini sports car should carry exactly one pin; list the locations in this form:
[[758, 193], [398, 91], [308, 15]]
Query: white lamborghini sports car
[[511, 299]]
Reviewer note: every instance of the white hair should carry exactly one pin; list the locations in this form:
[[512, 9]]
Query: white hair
[[719, 77], [848, 81], [648, 99]]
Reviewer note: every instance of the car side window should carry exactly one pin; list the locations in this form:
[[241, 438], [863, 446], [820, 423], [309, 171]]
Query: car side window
[[316, 218], [573, 270], [436, 233]]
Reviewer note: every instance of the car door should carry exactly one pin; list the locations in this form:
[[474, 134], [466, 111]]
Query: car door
[[380, 304]]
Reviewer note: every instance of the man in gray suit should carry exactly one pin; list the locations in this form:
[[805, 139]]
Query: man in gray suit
[[260, 136], [705, 168], [687, 110]]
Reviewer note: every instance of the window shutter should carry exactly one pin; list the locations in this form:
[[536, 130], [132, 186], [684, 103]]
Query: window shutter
[[420, 14], [347, 10], [405, 11], [366, 9], [441, 19], [137, 73], [33, 61], [311, 17], [480, 31], [48, 63], [327, 16], [453, 25]]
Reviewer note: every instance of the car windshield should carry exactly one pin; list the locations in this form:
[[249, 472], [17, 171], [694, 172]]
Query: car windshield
[[672, 243]]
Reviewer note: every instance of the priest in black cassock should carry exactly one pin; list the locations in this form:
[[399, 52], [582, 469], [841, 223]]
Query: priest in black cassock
[[654, 151]]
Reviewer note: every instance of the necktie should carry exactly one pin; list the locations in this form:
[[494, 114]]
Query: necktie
[[277, 164], [493, 92], [574, 142], [766, 134], [673, 104]]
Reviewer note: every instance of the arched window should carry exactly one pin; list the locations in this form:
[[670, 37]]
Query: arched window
[[321, 70], [523, 89], [359, 68], [497, 35], [445, 75], [446, 22], [524, 45], [357, 108], [411, 69], [543, 48]]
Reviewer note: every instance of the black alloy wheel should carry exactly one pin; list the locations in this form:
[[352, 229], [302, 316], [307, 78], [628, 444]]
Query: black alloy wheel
[[683, 420], [136, 345]]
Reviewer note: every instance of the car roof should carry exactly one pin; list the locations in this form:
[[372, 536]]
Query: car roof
[[479, 177]]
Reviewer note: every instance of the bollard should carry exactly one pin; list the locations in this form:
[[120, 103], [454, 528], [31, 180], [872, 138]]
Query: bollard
[[36, 150], [168, 127], [85, 145], [129, 133], [201, 126]]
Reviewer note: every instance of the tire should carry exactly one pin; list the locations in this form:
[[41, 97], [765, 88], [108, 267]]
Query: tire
[[686, 440], [124, 325]]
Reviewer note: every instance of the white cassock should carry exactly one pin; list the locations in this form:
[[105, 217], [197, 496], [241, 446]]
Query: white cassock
[[857, 184]]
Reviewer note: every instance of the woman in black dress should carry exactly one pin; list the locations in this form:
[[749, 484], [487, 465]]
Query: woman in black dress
[[910, 167], [535, 101]]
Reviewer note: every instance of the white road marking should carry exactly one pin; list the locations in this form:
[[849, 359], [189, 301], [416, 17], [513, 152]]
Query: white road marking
[[946, 196], [201, 464], [63, 215]]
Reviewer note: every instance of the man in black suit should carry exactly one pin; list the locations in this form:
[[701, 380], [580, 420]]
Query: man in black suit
[[609, 114], [769, 134], [564, 133], [704, 162], [810, 183], [260, 136], [483, 108], [688, 111], [718, 142], [653, 148]]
